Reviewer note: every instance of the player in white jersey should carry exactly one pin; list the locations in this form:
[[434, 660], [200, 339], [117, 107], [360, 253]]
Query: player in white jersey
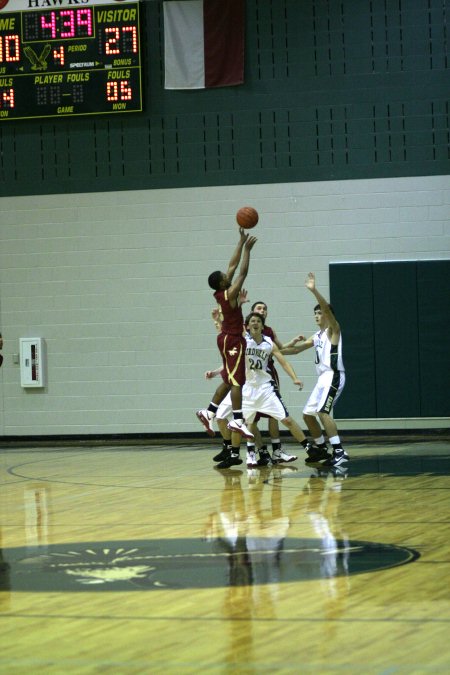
[[327, 343], [259, 393], [260, 307]]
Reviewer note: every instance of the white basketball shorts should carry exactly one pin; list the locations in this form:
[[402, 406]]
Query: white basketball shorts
[[326, 392]]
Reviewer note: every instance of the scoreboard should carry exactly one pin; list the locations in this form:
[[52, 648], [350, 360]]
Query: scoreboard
[[72, 59]]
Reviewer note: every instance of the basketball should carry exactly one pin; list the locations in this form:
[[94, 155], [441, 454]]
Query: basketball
[[247, 217]]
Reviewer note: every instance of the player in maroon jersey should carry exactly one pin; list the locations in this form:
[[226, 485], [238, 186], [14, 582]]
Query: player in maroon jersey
[[231, 344]]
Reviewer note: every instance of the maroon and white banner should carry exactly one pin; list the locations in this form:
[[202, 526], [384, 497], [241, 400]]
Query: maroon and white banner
[[203, 43]]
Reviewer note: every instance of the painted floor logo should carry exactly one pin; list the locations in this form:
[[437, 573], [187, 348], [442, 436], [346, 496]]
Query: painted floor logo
[[190, 563]]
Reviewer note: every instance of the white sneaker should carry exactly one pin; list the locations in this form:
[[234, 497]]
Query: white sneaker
[[279, 456], [239, 426], [206, 418], [251, 459]]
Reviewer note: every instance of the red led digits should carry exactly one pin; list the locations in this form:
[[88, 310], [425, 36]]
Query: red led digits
[[118, 90], [7, 98], [9, 48], [67, 23], [84, 18], [112, 91], [133, 35], [58, 55], [125, 91], [129, 40], [49, 23], [111, 46]]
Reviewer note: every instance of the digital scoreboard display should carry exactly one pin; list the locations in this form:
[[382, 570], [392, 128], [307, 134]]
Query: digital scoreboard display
[[76, 59]]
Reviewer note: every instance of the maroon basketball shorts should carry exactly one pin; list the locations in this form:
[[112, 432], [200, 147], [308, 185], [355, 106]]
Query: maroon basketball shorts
[[232, 348]]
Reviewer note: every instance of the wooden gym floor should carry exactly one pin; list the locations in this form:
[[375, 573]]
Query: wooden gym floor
[[144, 559]]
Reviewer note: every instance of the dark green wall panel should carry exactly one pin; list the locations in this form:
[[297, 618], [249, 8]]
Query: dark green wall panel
[[397, 369], [351, 288], [433, 293], [333, 90], [395, 322]]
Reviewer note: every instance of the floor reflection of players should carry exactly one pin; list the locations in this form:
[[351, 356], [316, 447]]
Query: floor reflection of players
[[320, 501], [253, 536], [266, 532], [252, 530], [227, 529]]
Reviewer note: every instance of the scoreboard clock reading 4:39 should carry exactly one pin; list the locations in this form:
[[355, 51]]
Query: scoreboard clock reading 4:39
[[69, 57]]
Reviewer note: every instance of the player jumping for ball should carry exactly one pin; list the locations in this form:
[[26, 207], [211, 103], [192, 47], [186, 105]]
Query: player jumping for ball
[[231, 342]]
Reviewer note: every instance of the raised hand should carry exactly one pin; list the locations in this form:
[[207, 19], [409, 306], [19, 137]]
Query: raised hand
[[244, 235], [310, 281], [243, 296], [251, 241]]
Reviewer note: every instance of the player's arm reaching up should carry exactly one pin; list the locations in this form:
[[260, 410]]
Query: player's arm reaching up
[[236, 257], [334, 329], [246, 242]]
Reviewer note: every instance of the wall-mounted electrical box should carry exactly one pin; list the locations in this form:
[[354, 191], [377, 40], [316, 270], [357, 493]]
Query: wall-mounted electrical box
[[32, 362]]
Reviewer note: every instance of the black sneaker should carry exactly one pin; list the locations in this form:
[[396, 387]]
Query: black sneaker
[[264, 457], [315, 454], [339, 457], [231, 460], [223, 454]]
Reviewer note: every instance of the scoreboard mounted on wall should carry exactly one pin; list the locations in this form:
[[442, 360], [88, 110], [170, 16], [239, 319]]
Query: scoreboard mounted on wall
[[71, 57]]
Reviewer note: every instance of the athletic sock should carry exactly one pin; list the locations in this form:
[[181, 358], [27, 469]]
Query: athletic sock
[[212, 408], [336, 443], [237, 415]]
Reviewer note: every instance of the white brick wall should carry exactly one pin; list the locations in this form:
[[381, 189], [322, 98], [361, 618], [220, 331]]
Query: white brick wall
[[116, 284]]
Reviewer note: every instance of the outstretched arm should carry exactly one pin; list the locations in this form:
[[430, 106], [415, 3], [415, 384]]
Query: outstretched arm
[[235, 288], [297, 348], [334, 330], [235, 258], [287, 345]]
